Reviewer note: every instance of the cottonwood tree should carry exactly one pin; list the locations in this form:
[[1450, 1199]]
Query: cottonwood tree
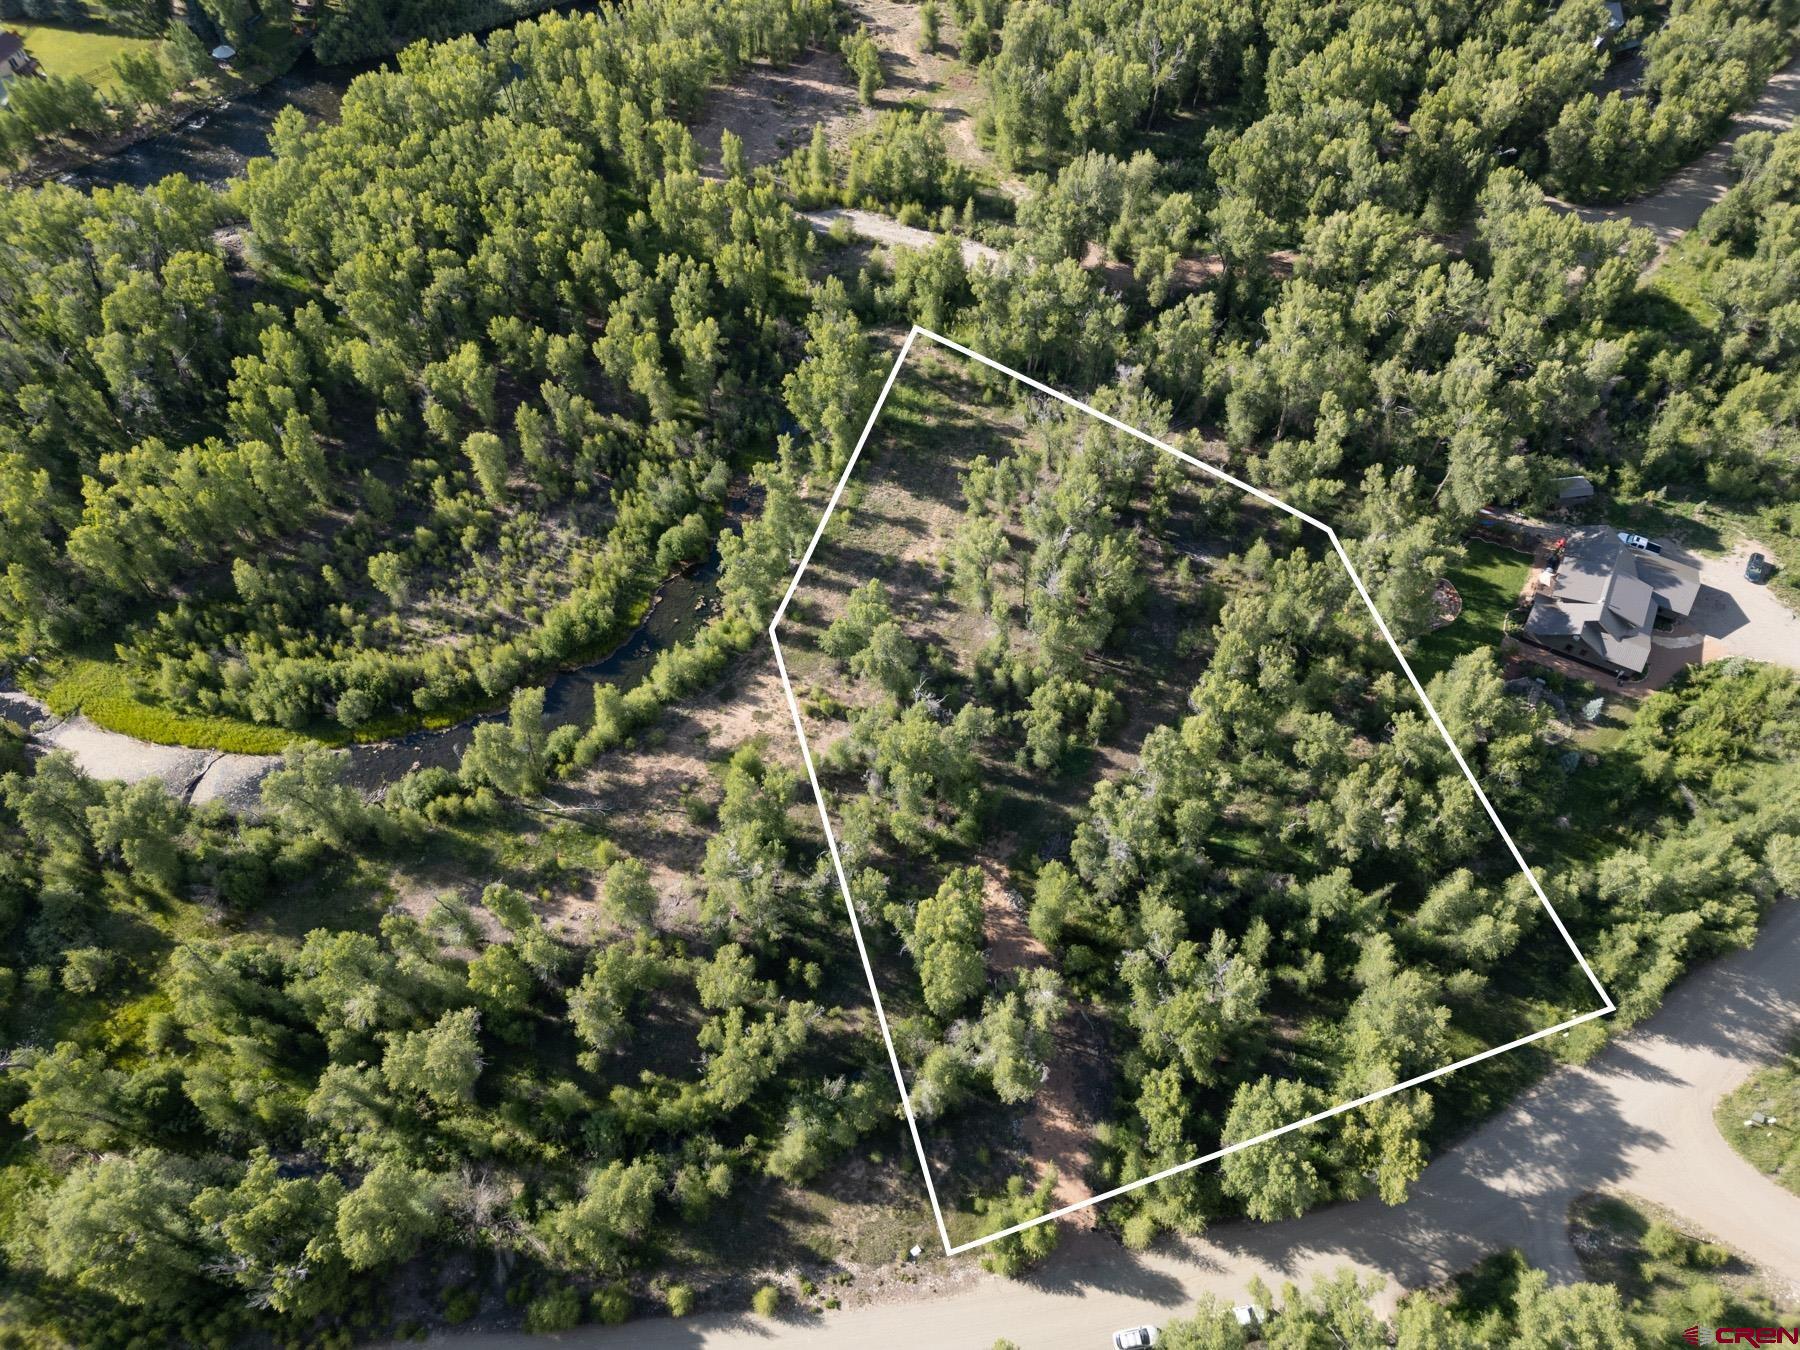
[[389, 1215], [946, 942], [279, 1236], [1280, 1178], [614, 1210], [120, 1225], [628, 895]]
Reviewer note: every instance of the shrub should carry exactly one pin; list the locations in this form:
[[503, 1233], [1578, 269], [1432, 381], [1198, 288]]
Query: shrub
[[460, 1304], [1665, 1243], [680, 1299], [557, 1310], [1710, 1255], [612, 1305], [765, 1301]]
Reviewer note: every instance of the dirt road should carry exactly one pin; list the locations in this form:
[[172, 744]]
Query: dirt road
[[1637, 1119], [886, 230], [1675, 208]]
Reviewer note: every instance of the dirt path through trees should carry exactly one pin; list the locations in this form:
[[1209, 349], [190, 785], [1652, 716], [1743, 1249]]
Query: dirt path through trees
[[1059, 1131]]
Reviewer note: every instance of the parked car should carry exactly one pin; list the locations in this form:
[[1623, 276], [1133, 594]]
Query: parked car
[[1757, 569], [1134, 1338], [1638, 541], [1252, 1319]]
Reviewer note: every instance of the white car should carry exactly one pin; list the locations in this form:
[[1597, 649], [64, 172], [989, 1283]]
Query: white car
[[1638, 541], [1251, 1318], [1134, 1338]]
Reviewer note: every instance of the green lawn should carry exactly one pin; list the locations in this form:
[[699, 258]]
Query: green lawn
[[101, 690], [1489, 582], [84, 52], [1772, 1149]]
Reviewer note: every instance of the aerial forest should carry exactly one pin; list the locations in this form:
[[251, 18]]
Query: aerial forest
[[434, 403]]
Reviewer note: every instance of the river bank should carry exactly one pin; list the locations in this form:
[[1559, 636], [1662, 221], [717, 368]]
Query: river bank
[[681, 606]]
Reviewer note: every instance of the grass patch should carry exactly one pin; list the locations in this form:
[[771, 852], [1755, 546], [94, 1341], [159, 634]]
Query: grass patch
[[1772, 1149], [1668, 1279], [102, 691], [1489, 581], [83, 53]]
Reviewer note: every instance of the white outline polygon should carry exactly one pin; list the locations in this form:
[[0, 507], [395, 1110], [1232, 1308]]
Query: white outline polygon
[[837, 863]]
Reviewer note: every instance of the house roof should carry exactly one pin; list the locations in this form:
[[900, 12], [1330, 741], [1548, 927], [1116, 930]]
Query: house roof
[[1594, 555], [1606, 595], [11, 44]]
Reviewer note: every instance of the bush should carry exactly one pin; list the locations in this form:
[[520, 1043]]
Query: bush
[[1665, 1243], [557, 1310], [612, 1305], [1709, 1256], [460, 1304], [680, 1299], [765, 1301]]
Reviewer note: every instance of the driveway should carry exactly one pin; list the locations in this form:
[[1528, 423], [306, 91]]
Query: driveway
[[1638, 1119], [1676, 207], [1740, 618]]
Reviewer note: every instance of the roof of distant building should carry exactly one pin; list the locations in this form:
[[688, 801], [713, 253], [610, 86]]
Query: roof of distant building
[[1574, 488]]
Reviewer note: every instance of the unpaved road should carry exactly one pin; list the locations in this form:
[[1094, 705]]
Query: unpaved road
[[1676, 207], [886, 230], [1637, 1119]]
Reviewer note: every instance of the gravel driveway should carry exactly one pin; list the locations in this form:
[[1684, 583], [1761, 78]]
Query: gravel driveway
[[1676, 207], [1742, 618], [886, 230]]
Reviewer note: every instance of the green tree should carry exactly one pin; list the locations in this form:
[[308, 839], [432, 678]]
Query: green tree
[[486, 454], [628, 895], [389, 1215], [309, 794], [441, 1063], [1278, 1178], [1016, 1253], [863, 57], [616, 1205], [120, 1226], [946, 942], [280, 1234], [510, 757]]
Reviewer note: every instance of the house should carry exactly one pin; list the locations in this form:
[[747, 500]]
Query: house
[[14, 61], [1604, 600]]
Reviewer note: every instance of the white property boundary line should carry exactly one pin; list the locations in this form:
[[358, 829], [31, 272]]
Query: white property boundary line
[[912, 1124]]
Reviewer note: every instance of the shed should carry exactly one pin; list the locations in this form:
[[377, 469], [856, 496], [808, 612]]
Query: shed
[[223, 53], [1574, 488]]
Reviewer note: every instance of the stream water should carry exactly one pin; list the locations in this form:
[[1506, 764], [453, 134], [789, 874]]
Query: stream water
[[683, 604], [215, 147]]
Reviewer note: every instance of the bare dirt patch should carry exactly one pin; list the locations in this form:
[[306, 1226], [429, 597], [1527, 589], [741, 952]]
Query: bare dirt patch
[[1059, 1126], [641, 792], [773, 109]]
